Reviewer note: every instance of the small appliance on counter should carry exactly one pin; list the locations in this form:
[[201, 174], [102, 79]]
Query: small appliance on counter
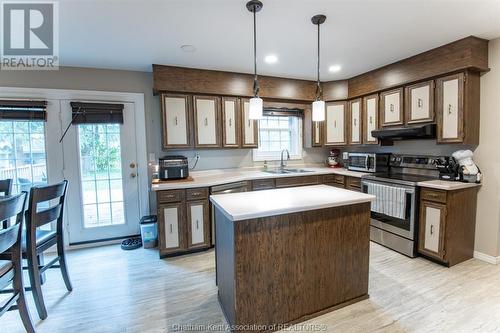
[[368, 162], [447, 167], [468, 171], [333, 160], [173, 167]]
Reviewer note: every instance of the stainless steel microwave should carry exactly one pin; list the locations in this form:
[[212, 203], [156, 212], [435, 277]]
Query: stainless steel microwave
[[368, 162]]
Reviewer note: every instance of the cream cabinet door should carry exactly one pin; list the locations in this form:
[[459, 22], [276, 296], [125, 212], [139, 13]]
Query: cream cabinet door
[[206, 111], [335, 124], [420, 102], [355, 112], [197, 224], [432, 225], [176, 110], [249, 128], [231, 125], [370, 121], [171, 223], [450, 108], [392, 109]]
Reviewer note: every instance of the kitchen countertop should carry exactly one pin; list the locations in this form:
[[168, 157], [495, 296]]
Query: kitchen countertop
[[446, 185], [224, 176], [250, 205]]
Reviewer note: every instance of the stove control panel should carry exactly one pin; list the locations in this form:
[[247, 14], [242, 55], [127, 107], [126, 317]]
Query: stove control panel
[[414, 161]]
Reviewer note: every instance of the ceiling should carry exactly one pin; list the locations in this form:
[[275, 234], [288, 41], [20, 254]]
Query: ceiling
[[359, 35]]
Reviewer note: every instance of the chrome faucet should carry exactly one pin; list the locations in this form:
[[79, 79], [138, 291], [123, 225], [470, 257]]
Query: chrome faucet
[[282, 164]]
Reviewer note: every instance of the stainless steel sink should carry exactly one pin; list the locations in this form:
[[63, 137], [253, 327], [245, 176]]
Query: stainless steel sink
[[285, 171]]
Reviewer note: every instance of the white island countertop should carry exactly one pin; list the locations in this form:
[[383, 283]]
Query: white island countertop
[[209, 178], [251, 205]]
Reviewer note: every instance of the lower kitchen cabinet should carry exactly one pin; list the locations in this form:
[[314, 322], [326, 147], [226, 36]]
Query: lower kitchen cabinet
[[198, 222], [447, 224], [183, 221]]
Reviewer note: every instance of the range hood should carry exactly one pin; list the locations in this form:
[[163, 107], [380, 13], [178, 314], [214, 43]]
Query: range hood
[[406, 133]]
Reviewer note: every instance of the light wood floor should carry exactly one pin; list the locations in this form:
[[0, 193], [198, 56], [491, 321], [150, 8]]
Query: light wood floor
[[118, 291]]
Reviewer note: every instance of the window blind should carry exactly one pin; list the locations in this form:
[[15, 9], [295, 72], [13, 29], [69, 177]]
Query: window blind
[[96, 113], [23, 110]]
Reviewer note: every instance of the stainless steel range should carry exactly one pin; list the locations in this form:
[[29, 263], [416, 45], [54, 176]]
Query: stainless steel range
[[394, 216]]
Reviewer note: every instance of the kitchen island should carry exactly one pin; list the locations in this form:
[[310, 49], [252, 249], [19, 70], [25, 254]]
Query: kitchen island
[[287, 255]]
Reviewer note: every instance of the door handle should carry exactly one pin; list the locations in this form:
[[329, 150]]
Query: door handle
[[132, 165], [133, 175]]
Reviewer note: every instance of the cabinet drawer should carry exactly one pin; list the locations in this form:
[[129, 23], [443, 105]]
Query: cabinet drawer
[[433, 195], [196, 193], [339, 179], [170, 196], [297, 181], [262, 184], [354, 183]]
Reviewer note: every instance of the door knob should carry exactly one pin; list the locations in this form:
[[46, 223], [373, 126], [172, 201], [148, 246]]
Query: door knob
[[133, 175], [132, 165]]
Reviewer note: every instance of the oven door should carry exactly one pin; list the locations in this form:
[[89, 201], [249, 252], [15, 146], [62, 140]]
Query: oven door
[[394, 207]]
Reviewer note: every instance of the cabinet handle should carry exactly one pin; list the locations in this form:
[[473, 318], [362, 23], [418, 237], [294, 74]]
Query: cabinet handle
[[371, 120], [449, 108], [176, 122], [335, 123], [230, 122], [169, 196], [420, 103], [432, 229], [248, 122], [195, 194], [391, 107], [355, 122], [170, 228], [197, 224], [206, 121]]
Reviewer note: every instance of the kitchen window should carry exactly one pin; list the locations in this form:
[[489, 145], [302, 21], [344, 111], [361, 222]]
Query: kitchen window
[[277, 133]]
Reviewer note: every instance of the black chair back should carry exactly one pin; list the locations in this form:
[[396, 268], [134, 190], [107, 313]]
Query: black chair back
[[10, 207], [6, 187], [38, 217]]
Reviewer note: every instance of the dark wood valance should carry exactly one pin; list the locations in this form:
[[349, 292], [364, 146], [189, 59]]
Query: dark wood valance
[[23, 110], [97, 113], [283, 112]]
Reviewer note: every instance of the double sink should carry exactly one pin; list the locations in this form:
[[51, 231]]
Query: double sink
[[285, 171]]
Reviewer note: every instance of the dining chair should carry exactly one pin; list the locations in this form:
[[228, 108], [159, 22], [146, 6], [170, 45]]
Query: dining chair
[[38, 240], [5, 190], [11, 270]]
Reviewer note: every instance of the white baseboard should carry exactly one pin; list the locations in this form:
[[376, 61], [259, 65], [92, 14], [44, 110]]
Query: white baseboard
[[487, 258]]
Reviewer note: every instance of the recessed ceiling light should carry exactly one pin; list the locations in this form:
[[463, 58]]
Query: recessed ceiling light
[[188, 48], [271, 59], [334, 68]]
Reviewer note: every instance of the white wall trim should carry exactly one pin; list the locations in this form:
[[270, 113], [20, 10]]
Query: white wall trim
[[487, 258]]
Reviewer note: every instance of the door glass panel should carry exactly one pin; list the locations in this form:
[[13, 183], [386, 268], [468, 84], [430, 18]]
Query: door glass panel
[[101, 174], [22, 154]]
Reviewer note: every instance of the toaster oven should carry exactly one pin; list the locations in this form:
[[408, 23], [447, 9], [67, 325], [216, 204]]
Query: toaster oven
[[173, 167]]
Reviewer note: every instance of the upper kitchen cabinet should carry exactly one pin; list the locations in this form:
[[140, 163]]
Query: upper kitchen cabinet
[[391, 105], [457, 108], [419, 103], [370, 118], [335, 124], [207, 115], [355, 133], [250, 136], [176, 115], [231, 124]]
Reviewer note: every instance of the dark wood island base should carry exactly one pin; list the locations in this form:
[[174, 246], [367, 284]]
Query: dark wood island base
[[288, 268]]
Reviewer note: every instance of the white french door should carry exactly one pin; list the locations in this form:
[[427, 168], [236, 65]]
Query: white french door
[[101, 166]]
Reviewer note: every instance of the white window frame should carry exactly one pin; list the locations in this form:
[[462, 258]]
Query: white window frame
[[297, 137]]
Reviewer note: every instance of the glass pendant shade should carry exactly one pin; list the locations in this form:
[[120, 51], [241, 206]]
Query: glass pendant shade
[[256, 108], [318, 111]]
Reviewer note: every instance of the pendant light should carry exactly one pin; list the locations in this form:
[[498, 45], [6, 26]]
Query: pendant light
[[256, 104], [318, 106]]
